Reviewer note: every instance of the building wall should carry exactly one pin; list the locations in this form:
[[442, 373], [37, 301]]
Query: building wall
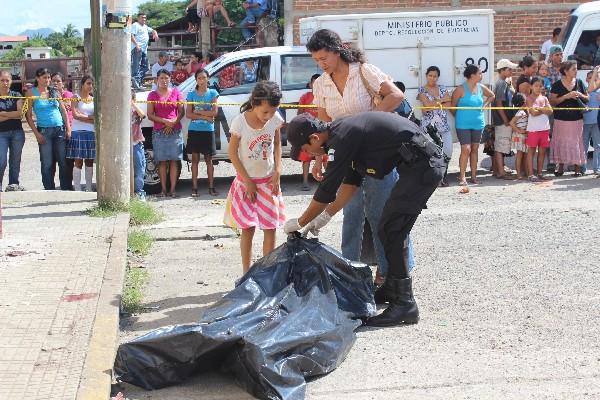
[[521, 26]]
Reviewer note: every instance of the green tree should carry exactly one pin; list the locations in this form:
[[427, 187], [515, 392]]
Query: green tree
[[159, 12]]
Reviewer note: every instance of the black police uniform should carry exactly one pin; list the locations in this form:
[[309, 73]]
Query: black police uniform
[[374, 143]]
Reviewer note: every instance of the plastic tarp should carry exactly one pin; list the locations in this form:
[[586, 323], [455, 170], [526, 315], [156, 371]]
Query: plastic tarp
[[291, 317]]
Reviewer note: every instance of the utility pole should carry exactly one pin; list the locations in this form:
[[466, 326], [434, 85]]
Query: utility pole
[[114, 140]]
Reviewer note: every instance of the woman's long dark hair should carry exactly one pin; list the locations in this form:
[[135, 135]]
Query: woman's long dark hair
[[263, 91], [84, 79], [200, 71], [52, 91], [331, 41], [526, 62]]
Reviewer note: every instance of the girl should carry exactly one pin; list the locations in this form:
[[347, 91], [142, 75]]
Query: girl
[[308, 99], [590, 121], [544, 73], [137, 142], [519, 126], [538, 128], [201, 132], [470, 121], [82, 146], [167, 141], [436, 95], [12, 137], [254, 199], [51, 129]]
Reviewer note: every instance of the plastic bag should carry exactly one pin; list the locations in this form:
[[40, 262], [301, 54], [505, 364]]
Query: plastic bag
[[291, 317]]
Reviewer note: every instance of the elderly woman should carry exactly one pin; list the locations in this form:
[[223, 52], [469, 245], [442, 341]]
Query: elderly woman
[[52, 129], [12, 137], [167, 141], [567, 145], [347, 86], [470, 121]]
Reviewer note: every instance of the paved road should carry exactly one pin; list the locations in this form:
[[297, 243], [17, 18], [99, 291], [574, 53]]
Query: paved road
[[507, 284]]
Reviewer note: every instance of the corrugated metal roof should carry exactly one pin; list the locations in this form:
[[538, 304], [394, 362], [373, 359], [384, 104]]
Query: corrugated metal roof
[[14, 38]]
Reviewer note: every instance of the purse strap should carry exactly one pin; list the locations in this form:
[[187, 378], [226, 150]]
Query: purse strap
[[370, 90]]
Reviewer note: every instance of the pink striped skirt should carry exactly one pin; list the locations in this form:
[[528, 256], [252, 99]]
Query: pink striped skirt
[[567, 143], [267, 212]]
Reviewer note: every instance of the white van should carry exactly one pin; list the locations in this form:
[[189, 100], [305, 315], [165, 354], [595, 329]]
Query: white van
[[405, 44], [290, 67], [579, 34]]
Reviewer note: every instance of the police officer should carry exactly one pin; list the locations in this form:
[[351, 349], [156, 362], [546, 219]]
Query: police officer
[[373, 143]]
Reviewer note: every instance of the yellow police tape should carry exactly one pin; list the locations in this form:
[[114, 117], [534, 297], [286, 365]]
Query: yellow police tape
[[293, 106]]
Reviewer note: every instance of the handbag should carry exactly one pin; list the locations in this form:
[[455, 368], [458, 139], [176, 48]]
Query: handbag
[[376, 98]]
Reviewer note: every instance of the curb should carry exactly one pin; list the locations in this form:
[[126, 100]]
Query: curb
[[96, 376]]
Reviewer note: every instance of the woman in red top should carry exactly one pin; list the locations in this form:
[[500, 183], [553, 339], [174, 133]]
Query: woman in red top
[[307, 99]]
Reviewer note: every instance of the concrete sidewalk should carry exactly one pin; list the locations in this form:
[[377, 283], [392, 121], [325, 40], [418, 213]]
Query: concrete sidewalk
[[61, 277]]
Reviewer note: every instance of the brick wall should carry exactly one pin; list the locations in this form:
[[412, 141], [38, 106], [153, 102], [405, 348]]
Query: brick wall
[[520, 25]]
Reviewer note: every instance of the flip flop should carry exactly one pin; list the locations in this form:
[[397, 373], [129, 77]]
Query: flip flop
[[161, 194], [544, 178], [212, 191], [505, 177], [194, 192]]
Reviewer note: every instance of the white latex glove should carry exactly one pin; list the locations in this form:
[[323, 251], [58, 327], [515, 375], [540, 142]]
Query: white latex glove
[[316, 224], [291, 225]]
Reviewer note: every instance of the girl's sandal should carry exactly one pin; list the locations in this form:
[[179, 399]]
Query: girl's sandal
[[194, 192], [544, 178], [533, 178], [161, 194], [212, 191], [474, 181]]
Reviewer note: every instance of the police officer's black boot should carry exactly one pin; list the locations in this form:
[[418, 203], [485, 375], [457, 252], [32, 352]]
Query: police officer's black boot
[[403, 307]]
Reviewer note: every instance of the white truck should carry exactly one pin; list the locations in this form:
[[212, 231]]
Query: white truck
[[405, 44], [291, 67], [578, 36]]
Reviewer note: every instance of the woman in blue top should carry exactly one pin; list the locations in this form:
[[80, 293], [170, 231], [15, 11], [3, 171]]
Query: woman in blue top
[[201, 132], [470, 122], [51, 129]]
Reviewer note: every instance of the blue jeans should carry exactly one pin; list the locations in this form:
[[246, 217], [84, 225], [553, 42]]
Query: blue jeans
[[139, 65], [370, 197], [11, 148], [54, 150], [591, 131], [139, 168], [251, 15]]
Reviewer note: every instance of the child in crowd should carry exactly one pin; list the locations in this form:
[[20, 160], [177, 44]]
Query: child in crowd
[[254, 199], [591, 131], [307, 99], [544, 73], [201, 132], [538, 128], [519, 126], [179, 74], [137, 141]]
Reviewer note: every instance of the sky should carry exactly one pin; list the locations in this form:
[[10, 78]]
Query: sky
[[19, 15]]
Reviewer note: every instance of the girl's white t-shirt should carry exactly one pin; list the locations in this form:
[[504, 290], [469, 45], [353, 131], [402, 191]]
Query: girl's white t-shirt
[[86, 108], [537, 123], [256, 150]]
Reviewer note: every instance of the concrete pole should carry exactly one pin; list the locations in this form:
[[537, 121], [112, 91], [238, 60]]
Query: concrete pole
[[288, 30], [113, 143]]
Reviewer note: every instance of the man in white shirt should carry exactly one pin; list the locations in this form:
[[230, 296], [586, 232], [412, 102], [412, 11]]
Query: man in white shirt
[[163, 63], [140, 36], [549, 43]]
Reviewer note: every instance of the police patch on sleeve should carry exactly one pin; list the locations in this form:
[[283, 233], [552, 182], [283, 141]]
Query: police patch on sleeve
[[331, 155]]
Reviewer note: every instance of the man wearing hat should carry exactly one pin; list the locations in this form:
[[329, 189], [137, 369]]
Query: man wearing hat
[[555, 58], [504, 91], [162, 63], [373, 143]]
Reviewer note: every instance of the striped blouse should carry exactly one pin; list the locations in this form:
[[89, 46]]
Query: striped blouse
[[355, 99]]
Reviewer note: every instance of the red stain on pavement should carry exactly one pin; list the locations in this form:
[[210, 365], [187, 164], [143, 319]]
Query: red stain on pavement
[[78, 297]]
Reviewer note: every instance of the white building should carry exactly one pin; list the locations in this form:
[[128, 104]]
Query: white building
[[7, 43], [36, 53]]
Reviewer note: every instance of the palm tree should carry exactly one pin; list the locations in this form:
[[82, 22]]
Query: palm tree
[[70, 32]]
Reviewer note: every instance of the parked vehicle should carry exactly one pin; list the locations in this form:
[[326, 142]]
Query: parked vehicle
[[578, 37], [290, 67]]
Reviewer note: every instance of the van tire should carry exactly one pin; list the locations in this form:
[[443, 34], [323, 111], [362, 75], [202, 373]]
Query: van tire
[[151, 177]]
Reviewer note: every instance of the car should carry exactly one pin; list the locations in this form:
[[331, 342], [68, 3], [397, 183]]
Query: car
[[291, 67]]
